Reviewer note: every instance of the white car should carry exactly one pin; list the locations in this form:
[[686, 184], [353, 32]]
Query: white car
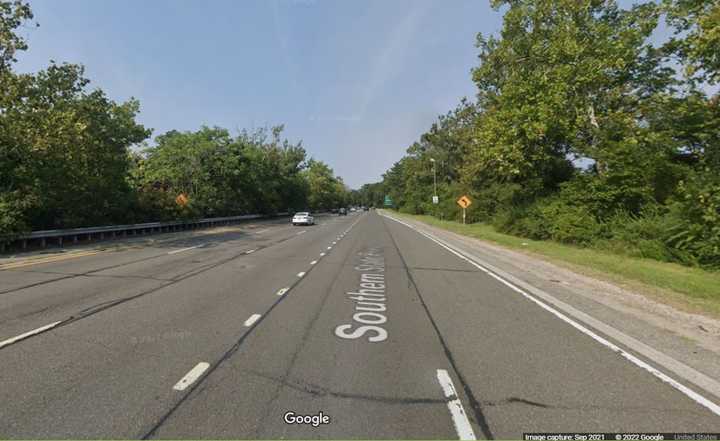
[[303, 218]]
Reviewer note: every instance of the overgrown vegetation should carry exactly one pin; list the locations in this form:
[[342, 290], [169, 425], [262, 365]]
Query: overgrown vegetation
[[71, 157], [583, 132]]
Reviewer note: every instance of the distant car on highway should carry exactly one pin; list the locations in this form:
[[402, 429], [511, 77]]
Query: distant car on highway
[[303, 218], [342, 212], [352, 209]]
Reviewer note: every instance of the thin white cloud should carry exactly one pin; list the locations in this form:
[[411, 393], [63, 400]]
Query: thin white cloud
[[281, 33], [391, 59]]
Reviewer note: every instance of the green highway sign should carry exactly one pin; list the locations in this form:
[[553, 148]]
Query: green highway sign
[[388, 201]]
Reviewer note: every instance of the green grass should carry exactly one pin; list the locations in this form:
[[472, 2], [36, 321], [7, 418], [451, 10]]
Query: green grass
[[691, 289]]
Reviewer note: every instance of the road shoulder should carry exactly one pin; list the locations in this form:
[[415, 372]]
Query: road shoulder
[[690, 338]]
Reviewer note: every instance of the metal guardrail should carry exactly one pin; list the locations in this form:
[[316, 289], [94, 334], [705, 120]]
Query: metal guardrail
[[114, 231]]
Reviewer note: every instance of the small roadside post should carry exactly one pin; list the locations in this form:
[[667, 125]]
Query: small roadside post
[[464, 202]]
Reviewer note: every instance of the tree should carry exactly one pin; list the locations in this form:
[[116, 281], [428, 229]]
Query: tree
[[12, 15], [697, 37], [325, 190]]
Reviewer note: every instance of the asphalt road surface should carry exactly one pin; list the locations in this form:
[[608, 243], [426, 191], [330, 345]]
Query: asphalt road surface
[[238, 333]]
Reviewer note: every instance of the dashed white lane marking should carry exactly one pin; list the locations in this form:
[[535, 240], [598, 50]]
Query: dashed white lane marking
[[457, 412], [250, 251], [300, 232], [300, 274], [283, 291], [252, 319], [705, 402], [183, 249], [262, 231], [329, 248], [313, 262], [191, 376], [10, 341], [322, 254]]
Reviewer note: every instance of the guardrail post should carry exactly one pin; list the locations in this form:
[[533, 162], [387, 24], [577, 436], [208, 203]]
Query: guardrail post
[[60, 241], [43, 242], [102, 236]]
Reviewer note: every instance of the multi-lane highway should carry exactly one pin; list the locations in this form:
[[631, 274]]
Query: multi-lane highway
[[374, 329]]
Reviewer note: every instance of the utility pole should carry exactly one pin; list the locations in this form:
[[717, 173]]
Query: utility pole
[[435, 195], [434, 178]]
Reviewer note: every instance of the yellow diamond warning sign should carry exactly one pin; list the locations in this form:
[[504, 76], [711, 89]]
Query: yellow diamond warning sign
[[464, 201], [181, 199]]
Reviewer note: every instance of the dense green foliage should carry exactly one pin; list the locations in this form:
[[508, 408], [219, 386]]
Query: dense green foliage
[[583, 132], [69, 157]]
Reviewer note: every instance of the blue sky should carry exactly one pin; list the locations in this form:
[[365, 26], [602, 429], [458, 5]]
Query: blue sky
[[356, 81]]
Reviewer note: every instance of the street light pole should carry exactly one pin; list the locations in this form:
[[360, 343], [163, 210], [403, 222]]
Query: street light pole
[[434, 178]]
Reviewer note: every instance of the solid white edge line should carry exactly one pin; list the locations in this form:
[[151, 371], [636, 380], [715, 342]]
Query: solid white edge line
[[191, 376], [252, 319], [184, 249], [300, 274], [283, 291], [12, 340], [457, 412], [703, 401]]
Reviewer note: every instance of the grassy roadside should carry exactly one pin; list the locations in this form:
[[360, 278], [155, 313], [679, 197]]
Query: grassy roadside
[[690, 289]]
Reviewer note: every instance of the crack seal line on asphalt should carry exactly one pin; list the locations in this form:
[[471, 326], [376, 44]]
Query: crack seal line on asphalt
[[234, 348], [700, 399], [474, 403]]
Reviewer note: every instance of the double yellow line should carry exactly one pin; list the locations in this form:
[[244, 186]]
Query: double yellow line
[[38, 261]]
